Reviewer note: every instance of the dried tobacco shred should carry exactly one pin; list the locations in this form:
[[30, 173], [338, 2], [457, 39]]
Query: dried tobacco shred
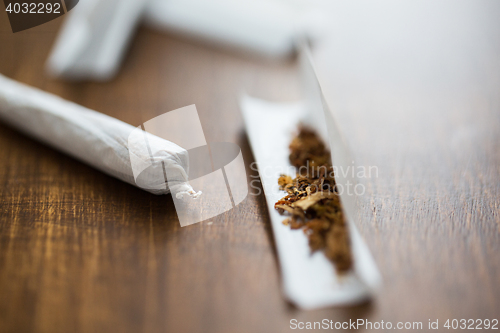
[[312, 201]]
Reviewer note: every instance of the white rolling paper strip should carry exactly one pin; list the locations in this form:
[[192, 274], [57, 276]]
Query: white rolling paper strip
[[309, 280], [92, 137]]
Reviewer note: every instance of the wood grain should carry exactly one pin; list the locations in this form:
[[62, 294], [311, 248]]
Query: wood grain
[[83, 252]]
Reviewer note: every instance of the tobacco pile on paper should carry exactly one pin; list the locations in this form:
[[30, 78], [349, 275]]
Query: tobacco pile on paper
[[312, 201]]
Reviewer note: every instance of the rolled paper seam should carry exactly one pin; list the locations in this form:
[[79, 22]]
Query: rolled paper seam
[[184, 189], [92, 137]]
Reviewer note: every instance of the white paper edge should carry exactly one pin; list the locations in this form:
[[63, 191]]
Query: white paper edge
[[309, 281]]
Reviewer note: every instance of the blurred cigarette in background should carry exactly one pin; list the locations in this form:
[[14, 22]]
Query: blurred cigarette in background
[[96, 33]]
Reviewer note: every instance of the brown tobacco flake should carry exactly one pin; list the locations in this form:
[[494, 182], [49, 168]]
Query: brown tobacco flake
[[312, 201]]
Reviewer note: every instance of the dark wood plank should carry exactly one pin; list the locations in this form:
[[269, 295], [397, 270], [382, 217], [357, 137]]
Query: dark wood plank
[[83, 252], [416, 88]]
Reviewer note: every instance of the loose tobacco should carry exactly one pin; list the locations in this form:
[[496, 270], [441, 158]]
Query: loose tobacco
[[313, 202]]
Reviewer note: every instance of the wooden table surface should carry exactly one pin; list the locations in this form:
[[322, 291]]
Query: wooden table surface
[[416, 89]]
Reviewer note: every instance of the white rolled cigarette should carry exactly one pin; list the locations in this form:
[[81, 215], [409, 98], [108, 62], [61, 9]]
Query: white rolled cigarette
[[94, 39], [98, 140]]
